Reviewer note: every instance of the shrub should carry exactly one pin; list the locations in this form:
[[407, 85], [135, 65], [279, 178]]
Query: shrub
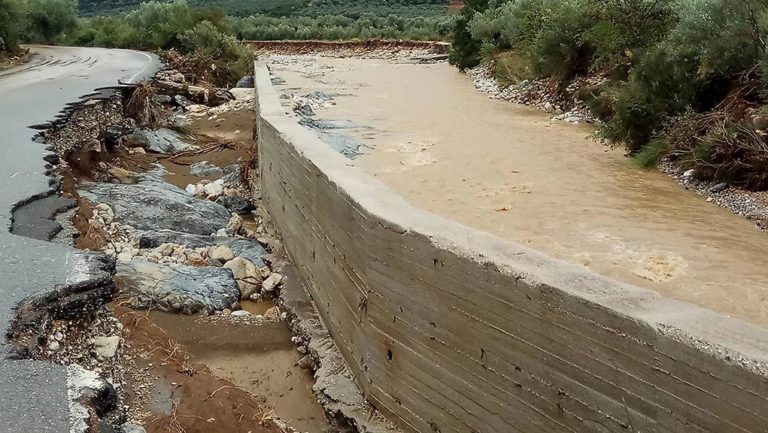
[[48, 20], [12, 24], [465, 50]]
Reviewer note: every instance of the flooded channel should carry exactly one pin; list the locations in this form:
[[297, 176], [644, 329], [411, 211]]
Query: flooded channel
[[511, 171]]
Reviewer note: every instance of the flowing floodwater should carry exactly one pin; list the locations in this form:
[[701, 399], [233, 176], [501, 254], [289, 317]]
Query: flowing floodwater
[[510, 171]]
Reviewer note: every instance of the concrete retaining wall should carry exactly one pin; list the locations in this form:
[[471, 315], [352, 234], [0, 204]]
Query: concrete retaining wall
[[449, 329]]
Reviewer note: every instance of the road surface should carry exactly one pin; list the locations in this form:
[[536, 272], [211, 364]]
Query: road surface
[[34, 394]]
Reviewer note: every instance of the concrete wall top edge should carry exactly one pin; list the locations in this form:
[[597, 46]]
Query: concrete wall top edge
[[725, 338]]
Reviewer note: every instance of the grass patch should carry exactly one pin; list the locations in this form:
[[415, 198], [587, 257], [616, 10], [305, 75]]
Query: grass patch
[[511, 68], [650, 156]]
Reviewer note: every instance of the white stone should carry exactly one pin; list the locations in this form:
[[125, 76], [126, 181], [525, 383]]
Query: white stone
[[272, 315], [246, 275], [106, 347], [214, 188], [221, 253], [191, 188], [271, 282], [241, 313]]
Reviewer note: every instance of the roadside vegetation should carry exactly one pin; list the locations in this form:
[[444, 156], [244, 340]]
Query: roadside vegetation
[[208, 33], [679, 80]]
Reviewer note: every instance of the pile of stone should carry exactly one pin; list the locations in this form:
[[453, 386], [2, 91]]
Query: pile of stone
[[536, 93], [181, 253], [752, 205]]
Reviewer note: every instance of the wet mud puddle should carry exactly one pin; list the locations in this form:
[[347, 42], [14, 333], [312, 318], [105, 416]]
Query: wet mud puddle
[[258, 358], [511, 171]]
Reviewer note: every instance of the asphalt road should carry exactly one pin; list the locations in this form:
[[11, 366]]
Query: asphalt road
[[33, 395]]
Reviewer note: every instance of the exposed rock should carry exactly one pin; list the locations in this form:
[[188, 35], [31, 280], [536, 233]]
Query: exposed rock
[[204, 169], [271, 282], [241, 313], [241, 247], [114, 134], [152, 204], [122, 175], [182, 101], [221, 253], [162, 99], [133, 428], [272, 315], [243, 94], [247, 249], [720, 187], [246, 275], [245, 82], [197, 108], [106, 347], [214, 189], [163, 140], [178, 288], [236, 204], [235, 224], [305, 362]]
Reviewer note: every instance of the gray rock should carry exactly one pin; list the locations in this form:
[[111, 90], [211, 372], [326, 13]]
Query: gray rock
[[205, 169], [162, 99], [720, 187], [152, 204], [162, 140], [133, 428], [241, 247], [182, 101], [115, 133], [232, 173], [153, 239], [236, 204], [178, 288], [247, 249], [245, 82]]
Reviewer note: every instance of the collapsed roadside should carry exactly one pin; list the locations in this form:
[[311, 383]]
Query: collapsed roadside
[[160, 179]]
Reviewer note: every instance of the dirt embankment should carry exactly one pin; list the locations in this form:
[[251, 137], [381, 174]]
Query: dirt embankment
[[168, 138], [349, 48]]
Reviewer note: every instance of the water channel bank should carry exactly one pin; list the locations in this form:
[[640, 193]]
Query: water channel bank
[[449, 328]]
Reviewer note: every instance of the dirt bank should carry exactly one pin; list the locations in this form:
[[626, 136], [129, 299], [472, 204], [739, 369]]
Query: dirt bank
[[349, 48], [243, 374]]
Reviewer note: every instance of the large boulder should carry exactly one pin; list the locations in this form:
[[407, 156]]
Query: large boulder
[[178, 288], [161, 140], [152, 204], [245, 82], [246, 275]]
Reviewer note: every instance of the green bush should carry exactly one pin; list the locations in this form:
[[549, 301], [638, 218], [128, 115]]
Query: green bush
[[12, 24], [48, 20]]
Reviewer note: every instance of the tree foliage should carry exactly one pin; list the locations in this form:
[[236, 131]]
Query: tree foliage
[[12, 24]]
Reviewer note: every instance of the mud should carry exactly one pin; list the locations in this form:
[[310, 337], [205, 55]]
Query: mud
[[512, 171], [171, 393], [260, 359], [223, 383]]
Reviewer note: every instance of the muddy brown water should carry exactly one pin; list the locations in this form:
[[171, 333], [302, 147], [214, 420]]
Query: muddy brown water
[[260, 359], [511, 171]]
